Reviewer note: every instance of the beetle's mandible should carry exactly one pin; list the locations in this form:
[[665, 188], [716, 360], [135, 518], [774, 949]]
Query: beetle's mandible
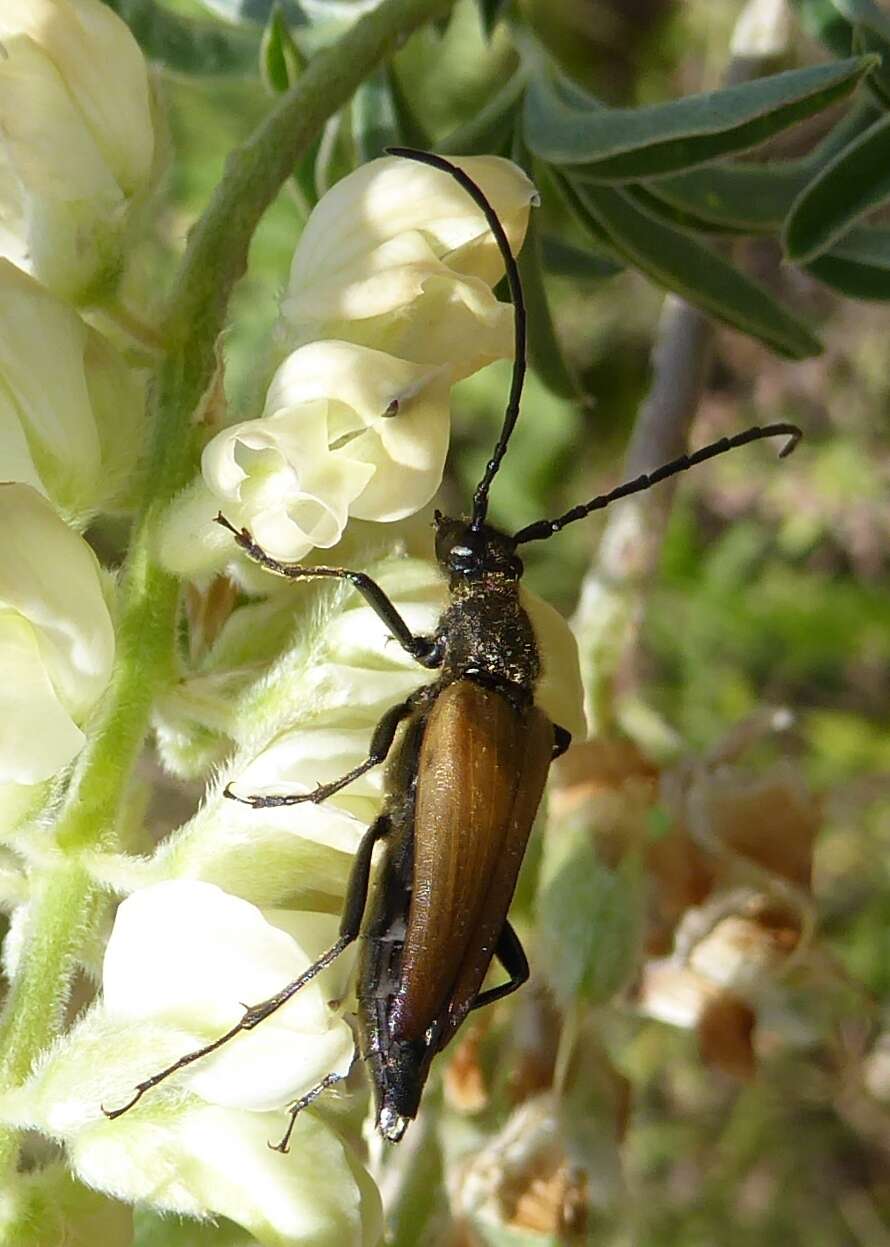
[[467, 759]]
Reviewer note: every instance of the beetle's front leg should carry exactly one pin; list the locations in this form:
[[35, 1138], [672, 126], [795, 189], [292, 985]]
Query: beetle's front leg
[[381, 743], [350, 925], [422, 648]]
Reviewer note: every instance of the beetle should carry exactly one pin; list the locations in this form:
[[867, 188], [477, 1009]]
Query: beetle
[[467, 760]]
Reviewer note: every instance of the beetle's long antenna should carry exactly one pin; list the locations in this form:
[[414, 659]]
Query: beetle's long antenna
[[511, 414], [546, 528]]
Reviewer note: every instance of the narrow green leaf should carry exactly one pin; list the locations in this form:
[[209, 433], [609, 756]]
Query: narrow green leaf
[[859, 265], [871, 33], [564, 259], [752, 198], [189, 45], [624, 143], [375, 122], [865, 40], [683, 265], [281, 61], [545, 352], [821, 19], [855, 182], [679, 215], [865, 13], [491, 129]]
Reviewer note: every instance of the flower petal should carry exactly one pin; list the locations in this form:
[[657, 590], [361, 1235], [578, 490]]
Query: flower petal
[[208, 1160], [49, 575], [187, 954], [393, 196], [37, 734]]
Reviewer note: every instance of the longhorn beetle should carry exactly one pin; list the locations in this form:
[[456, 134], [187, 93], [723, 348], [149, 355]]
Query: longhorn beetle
[[463, 781]]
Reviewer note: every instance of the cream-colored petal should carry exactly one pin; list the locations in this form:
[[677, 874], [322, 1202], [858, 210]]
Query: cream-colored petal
[[187, 953], [560, 692], [392, 196], [42, 344], [104, 73], [15, 455], [365, 380], [408, 451], [46, 139], [37, 734], [50, 575], [206, 1160]]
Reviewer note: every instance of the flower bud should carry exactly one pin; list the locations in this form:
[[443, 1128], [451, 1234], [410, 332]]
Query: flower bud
[[345, 431], [397, 256], [56, 637], [79, 143], [69, 405]]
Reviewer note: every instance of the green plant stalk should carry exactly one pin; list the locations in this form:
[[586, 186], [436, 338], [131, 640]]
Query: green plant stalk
[[216, 257]]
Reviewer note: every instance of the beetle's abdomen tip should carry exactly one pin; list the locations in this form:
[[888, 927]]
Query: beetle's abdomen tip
[[392, 1125]]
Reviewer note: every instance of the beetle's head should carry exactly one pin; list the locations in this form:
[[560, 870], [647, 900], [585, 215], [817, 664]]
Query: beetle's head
[[465, 552]]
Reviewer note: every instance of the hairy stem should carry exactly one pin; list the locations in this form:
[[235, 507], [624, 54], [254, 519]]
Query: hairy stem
[[216, 256]]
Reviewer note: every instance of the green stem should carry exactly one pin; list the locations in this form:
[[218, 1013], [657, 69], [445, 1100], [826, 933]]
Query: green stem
[[216, 256]]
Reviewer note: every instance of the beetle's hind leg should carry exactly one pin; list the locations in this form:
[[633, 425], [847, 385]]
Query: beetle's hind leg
[[511, 955], [304, 1101], [381, 743], [350, 925], [422, 648]]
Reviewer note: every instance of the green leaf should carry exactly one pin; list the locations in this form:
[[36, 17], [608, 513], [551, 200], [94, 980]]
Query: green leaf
[[281, 61], [855, 182], [564, 259], [682, 264], [859, 265], [375, 122], [821, 19], [589, 916], [871, 33], [492, 127], [624, 143], [648, 198], [749, 198], [545, 352], [184, 44]]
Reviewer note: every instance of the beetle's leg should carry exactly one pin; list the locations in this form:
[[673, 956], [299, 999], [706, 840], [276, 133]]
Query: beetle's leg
[[511, 955], [422, 648], [562, 738], [381, 743], [350, 924], [304, 1101]]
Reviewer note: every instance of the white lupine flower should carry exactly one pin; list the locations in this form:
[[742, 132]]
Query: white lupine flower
[[69, 405], [181, 958], [186, 954], [398, 257], [345, 431], [56, 638], [77, 143]]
